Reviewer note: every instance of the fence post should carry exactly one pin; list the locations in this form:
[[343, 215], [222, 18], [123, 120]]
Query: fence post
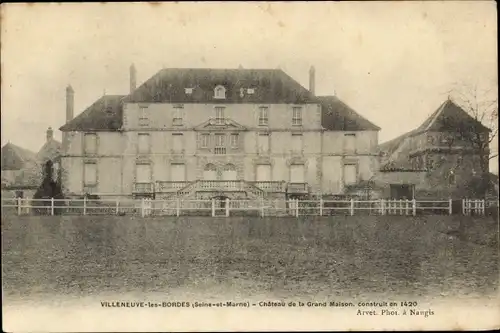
[[483, 207], [178, 207], [352, 206], [52, 206], [213, 207], [18, 206], [414, 207], [117, 206], [262, 207], [84, 205], [227, 207], [382, 206], [450, 209], [406, 206], [142, 207], [320, 206], [463, 206], [296, 207]]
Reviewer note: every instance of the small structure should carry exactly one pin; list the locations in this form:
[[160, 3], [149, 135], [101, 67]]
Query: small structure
[[23, 170], [433, 160]]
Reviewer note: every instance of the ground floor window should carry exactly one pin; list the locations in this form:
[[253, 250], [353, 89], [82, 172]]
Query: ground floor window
[[297, 173], [90, 174]]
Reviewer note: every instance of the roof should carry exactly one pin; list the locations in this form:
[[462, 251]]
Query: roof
[[398, 158], [104, 114], [15, 157], [448, 117], [338, 116], [50, 150], [388, 147], [271, 86]]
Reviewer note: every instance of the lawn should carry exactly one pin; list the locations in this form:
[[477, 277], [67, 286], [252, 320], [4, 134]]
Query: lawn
[[335, 256]]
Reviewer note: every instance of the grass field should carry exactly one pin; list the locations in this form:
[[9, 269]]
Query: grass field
[[335, 256]]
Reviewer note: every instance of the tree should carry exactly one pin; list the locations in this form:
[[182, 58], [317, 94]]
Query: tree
[[479, 134]]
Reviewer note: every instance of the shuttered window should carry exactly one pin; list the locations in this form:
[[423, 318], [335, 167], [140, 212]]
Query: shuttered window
[[143, 143], [263, 142], [90, 143], [90, 174], [350, 174]]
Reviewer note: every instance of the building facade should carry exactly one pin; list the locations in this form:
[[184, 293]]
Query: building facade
[[199, 133], [439, 159]]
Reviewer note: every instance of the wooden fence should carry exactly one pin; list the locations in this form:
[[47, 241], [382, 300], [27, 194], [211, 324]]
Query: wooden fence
[[227, 207]]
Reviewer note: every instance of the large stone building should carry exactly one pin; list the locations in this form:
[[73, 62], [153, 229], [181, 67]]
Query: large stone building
[[438, 159], [210, 132]]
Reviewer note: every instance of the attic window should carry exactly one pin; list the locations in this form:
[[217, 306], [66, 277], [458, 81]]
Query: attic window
[[188, 91], [251, 91], [220, 92]]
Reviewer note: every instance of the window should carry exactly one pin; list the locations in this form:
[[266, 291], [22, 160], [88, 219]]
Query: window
[[219, 115], [451, 178], [177, 142], [297, 116], [350, 142], [234, 140], [220, 144], [178, 172], [143, 173], [143, 143], [143, 116], [250, 91], [263, 116], [90, 174], [90, 142], [188, 91], [219, 92], [229, 172], [297, 173], [205, 138], [177, 118], [263, 172], [296, 142], [210, 172], [263, 142], [350, 174]]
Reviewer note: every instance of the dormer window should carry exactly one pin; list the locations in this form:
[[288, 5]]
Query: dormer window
[[220, 92]]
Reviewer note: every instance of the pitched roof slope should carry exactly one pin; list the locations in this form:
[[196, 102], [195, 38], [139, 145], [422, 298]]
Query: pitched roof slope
[[271, 86], [399, 160], [338, 116], [449, 117], [104, 114], [15, 157]]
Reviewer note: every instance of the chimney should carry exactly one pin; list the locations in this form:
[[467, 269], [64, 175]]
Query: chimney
[[312, 80], [50, 134], [70, 105], [133, 78]]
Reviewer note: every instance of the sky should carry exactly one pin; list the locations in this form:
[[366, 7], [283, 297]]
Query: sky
[[393, 62]]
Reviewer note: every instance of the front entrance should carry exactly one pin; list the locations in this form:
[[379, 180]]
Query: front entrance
[[220, 205], [402, 191]]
